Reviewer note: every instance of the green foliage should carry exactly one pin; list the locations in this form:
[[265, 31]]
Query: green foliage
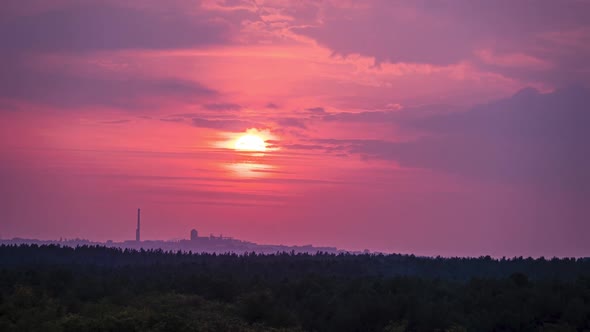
[[80, 290], [396, 327]]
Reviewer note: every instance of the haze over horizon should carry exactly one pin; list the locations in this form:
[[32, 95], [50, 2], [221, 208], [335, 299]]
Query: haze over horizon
[[452, 128]]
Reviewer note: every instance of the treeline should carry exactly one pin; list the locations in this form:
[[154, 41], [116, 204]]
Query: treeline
[[52, 288], [290, 264]]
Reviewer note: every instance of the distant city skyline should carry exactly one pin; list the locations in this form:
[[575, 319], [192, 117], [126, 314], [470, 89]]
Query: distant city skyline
[[192, 242]]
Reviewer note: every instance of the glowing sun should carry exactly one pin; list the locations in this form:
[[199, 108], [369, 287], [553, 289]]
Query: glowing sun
[[250, 142]]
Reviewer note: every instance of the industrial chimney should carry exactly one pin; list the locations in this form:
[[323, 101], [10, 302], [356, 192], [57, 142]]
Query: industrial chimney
[[137, 231]]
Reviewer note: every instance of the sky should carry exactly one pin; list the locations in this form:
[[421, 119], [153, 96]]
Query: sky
[[452, 128]]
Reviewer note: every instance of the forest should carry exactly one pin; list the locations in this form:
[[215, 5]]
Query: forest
[[93, 288]]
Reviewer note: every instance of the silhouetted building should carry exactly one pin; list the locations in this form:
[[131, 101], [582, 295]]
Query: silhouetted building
[[194, 235], [137, 231]]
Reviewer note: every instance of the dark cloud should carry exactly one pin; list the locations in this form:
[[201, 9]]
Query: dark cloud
[[60, 89], [442, 33], [334, 146], [316, 110], [115, 121], [187, 115], [532, 138], [365, 117], [231, 125], [292, 122], [272, 106], [172, 119], [304, 147], [8, 106], [391, 116], [518, 34], [102, 25], [222, 107], [31, 30]]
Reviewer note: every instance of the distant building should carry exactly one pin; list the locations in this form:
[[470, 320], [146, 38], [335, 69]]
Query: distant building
[[138, 230], [194, 235]]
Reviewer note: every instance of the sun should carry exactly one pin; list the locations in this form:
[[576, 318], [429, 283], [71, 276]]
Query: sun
[[250, 142]]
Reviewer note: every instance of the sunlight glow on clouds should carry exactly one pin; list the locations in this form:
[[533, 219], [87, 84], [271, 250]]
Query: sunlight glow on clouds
[[392, 126]]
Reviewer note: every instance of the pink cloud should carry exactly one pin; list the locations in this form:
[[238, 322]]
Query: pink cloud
[[391, 126]]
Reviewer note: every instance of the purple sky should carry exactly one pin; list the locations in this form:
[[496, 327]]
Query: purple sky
[[436, 128]]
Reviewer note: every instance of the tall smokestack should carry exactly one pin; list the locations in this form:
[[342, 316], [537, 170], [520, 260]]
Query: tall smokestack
[[137, 231]]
